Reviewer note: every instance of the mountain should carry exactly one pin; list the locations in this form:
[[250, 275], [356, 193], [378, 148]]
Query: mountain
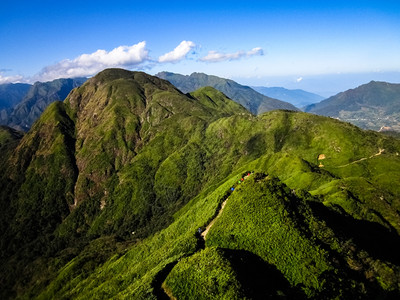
[[375, 106], [9, 139], [298, 98], [12, 93], [131, 189], [22, 115], [255, 102]]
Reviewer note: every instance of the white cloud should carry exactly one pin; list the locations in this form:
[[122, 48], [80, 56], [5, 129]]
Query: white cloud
[[214, 56], [255, 51], [89, 64], [178, 53], [299, 79], [11, 79]]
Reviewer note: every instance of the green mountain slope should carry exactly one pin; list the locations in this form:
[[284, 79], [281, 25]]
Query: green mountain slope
[[9, 139], [108, 194], [246, 96], [298, 98], [375, 106], [31, 105]]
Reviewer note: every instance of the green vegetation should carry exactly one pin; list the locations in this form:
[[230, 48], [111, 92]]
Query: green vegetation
[[216, 273], [133, 273], [244, 95], [9, 139], [104, 196], [265, 217], [270, 233], [205, 275]]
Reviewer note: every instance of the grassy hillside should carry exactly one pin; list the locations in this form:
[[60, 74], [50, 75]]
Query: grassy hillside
[[105, 196], [290, 232], [9, 139]]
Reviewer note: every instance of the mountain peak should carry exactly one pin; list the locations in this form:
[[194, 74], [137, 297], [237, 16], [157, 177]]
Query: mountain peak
[[111, 74], [371, 106], [133, 87]]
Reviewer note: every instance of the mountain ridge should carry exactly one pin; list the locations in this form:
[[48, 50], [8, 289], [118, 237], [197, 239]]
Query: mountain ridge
[[297, 97], [11, 93], [32, 103], [255, 102]]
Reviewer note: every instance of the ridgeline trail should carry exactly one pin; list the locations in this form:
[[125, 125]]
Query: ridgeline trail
[[204, 233], [218, 213], [162, 291], [361, 159]]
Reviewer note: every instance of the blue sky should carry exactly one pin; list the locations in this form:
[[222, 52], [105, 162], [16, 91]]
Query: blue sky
[[320, 46]]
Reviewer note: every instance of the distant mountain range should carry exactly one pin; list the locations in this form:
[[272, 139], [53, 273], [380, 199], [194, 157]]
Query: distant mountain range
[[375, 106], [25, 103], [298, 98], [12, 93], [255, 102]]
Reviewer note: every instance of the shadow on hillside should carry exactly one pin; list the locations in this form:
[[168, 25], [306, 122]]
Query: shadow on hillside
[[376, 239], [259, 279], [159, 279]]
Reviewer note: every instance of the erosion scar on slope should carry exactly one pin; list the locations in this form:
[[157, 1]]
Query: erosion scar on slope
[[204, 233]]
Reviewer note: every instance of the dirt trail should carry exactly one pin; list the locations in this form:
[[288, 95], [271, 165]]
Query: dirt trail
[[165, 292], [364, 158], [204, 233]]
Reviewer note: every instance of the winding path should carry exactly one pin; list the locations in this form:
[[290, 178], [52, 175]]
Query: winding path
[[361, 159], [204, 233], [166, 293]]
